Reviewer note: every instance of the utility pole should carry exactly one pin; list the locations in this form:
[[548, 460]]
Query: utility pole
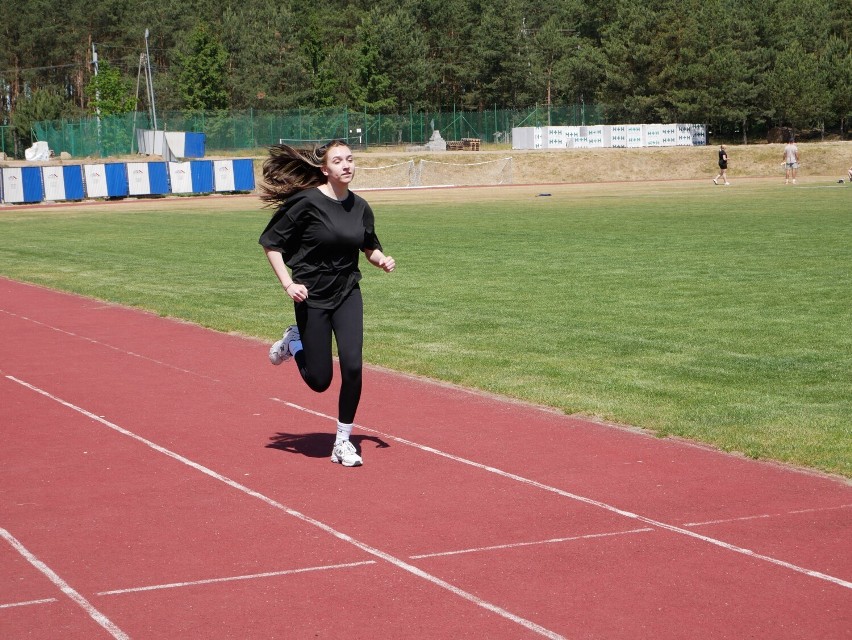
[[97, 96], [136, 104], [150, 83]]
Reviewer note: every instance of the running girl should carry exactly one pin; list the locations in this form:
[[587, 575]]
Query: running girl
[[317, 232]]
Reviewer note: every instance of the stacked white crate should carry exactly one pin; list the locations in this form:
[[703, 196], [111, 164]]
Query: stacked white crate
[[579, 137], [606, 136], [653, 135], [619, 135], [684, 135], [523, 138], [603, 136], [572, 135], [596, 137], [635, 135], [556, 137]]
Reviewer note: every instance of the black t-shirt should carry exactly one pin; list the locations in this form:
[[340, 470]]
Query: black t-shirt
[[320, 239], [723, 158]]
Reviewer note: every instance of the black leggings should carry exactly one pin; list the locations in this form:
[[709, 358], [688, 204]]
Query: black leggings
[[315, 360]]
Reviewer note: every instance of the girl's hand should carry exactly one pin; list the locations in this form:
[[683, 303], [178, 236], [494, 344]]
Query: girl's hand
[[297, 292], [387, 264]]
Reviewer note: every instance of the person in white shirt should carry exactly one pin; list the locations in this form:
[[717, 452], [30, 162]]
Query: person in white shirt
[[791, 161]]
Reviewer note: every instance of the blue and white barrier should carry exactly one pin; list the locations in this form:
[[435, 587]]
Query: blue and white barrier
[[233, 175], [185, 144], [191, 177], [22, 184], [119, 180], [180, 177], [106, 180], [171, 145], [202, 176], [147, 178], [63, 183]]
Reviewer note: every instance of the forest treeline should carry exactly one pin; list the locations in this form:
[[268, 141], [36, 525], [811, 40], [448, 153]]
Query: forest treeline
[[739, 65]]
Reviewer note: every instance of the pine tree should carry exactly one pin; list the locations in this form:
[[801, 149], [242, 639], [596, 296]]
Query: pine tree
[[201, 72]]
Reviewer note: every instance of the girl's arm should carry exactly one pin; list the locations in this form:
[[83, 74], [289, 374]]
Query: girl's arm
[[380, 260], [297, 292]]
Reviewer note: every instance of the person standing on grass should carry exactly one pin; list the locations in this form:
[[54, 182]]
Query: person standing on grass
[[723, 166], [791, 161], [317, 234]]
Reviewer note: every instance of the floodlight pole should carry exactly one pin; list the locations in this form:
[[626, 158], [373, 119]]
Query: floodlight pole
[[97, 95], [136, 104], [98, 91], [150, 81]]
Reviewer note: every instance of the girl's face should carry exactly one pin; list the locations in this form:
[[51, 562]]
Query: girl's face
[[339, 165]]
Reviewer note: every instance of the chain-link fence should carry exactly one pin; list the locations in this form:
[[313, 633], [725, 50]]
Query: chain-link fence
[[91, 137], [244, 131]]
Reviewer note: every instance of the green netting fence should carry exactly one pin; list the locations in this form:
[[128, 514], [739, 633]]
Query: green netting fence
[[7, 143], [245, 131]]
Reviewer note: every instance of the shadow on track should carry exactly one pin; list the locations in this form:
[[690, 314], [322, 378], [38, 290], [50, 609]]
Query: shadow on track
[[316, 445]]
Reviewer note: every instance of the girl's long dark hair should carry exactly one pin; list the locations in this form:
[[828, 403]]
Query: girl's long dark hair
[[288, 170]]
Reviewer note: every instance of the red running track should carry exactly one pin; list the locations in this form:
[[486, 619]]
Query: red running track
[[160, 480]]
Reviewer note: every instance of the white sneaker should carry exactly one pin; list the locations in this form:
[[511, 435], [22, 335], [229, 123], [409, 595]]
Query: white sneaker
[[727, 184], [280, 351], [714, 181], [344, 453]]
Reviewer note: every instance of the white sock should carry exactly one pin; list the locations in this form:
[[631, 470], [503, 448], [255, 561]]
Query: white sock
[[295, 347], [343, 432]]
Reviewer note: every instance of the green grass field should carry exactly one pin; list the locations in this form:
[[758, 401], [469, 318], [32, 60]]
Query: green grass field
[[722, 315]]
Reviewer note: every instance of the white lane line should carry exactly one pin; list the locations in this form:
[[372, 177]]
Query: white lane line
[[596, 503], [27, 603], [397, 562], [63, 586], [515, 545], [766, 515], [253, 576], [109, 346], [708, 522]]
